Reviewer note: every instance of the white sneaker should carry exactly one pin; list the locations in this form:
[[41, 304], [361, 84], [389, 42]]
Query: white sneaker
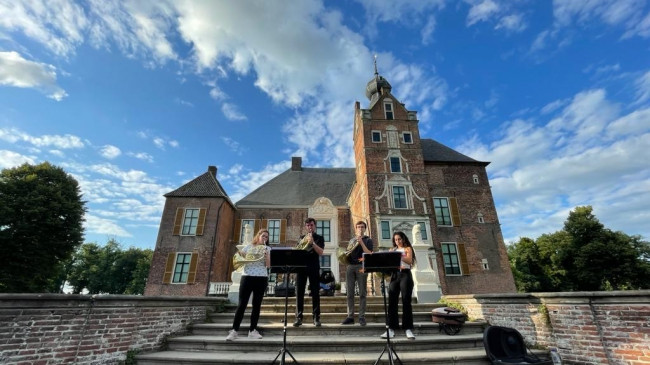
[[385, 334], [254, 334], [410, 335], [232, 335]]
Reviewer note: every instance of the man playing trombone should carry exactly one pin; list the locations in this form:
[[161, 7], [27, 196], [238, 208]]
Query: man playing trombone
[[358, 245], [314, 244]]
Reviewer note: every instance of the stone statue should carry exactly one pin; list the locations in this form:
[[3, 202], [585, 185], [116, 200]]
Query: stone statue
[[417, 235], [248, 234]]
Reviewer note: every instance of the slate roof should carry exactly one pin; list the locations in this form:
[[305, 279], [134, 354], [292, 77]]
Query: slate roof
[[205, 185], [434, 151], [303, 187]]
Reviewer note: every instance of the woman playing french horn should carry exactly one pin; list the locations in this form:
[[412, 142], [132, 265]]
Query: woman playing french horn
[[255, 258]]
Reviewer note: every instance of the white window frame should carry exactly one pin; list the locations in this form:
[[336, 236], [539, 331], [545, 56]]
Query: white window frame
[[186, 265], [322, 228], [381, 228], [475, 179], [480, 218], [190, 222], [406, 201], [451, 255], [275, 231], [372, 136], [435, 212], [399, 164], [389, 104], [404, 139]]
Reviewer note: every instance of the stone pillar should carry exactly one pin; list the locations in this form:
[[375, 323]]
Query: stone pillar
[[427, 282]]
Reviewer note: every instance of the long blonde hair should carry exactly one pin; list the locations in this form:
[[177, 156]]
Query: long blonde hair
[[256, 239]]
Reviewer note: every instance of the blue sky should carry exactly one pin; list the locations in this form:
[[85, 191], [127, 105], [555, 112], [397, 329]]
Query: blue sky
[[135, 98]]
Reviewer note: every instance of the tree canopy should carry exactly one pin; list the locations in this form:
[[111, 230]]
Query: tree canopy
[[109, 269], [41, 217], [583, 256]]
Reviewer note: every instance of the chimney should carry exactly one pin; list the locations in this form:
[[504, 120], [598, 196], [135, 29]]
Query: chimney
[[296, 163], [213, 171]]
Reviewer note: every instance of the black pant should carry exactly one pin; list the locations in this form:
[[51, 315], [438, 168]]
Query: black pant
[[247, 285], [401, 282], [314, 286]]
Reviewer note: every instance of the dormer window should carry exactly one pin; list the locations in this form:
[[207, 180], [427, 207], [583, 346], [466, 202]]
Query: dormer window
[[388, 110], [407, 137], [376, 136]]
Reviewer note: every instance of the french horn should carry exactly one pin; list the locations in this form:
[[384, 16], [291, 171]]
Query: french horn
[[253, 255], [344, 255], [304, 244]]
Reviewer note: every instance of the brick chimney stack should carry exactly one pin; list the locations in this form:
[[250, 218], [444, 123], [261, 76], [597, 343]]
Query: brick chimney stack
[[296, 163], [213, 171]]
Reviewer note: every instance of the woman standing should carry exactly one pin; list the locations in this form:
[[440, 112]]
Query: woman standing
[[401, 282], [254, 280]]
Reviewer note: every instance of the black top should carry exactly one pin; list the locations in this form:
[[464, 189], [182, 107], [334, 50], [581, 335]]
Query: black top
[[313, 259], [357, 253]]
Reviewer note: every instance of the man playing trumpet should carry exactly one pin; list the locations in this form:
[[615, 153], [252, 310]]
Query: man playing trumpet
[[314, 244], [359, 245]]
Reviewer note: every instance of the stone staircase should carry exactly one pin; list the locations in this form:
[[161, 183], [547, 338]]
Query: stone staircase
[[332, 343]]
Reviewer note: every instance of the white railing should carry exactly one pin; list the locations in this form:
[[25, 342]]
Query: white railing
[[219, 288], [224, 287]]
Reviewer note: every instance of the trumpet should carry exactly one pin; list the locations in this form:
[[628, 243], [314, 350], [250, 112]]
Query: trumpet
[[344, 255], [304, 243], [255, 254]]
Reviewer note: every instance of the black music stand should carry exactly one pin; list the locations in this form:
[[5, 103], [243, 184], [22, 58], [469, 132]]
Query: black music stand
[[384, 263], [286, 260]]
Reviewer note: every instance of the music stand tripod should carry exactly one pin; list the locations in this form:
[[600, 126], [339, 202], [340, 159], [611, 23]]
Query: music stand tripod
[[384, 263], [286, 261]]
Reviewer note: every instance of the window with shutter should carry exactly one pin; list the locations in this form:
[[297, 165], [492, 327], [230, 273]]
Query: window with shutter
[[178, 221], [464, 265], [450, 258], [169, 268], [455, 212], [191, 276]]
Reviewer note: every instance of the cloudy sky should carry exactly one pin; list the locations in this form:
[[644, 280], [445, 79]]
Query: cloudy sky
[[134, 98]]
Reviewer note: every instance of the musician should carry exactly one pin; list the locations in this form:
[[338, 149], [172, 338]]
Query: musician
[[401, 282], [315, 244], [254, 280], [353, 275]]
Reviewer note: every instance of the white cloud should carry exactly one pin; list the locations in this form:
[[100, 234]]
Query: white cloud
[[110, 152], [587, 154], [111, 227], [141, 156], [643, 88], [482, 11], [11, 159], [67, 141], [246, 180], [18, 72], [231, 111], [234, 145]]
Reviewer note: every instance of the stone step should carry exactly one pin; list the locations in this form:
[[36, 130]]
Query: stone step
[[474, 356], [332, 307], [333, 318], [371, 329]]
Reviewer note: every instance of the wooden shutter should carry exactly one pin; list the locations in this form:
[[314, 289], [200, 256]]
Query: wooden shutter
[[462, 255], [201, 222], [191, 276], [178, 221], [265, 224], [237, 232], [283, 230], [169, 268], [256, 226], [455, 213]]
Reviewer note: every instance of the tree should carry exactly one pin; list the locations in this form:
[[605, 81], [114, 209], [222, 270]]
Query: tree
[[109, 269], [41, 216], [583, 256]]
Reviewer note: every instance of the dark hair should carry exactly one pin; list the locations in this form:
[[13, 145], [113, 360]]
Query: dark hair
[[406, 242], [310, 220], [361, 222]]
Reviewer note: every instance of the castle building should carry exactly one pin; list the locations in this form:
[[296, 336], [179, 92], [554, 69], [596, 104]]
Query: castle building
[[439, 197]]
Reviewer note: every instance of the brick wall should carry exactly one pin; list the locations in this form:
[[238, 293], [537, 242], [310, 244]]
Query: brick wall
[[64, 329], [586, 327]]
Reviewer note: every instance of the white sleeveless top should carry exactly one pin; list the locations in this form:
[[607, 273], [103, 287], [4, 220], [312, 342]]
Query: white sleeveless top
[[257, 268], [403, 264]]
